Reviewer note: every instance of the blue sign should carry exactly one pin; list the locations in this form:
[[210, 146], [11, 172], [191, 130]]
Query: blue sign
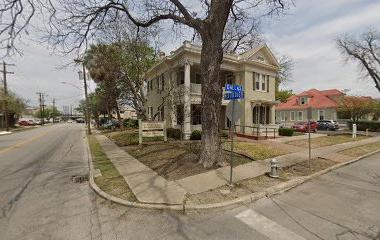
[[233, 88], [233, 92]]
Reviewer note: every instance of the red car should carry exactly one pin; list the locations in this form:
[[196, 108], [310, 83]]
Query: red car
[[303, 126], [24, 123]]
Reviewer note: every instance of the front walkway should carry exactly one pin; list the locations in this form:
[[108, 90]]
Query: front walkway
[[149, 187], [145, 183]]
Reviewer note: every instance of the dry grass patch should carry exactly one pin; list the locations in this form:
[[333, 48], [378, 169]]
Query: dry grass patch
[[255, 151], [111, 181], [361, 150], [325, 141], [259, 183], [177, 159]]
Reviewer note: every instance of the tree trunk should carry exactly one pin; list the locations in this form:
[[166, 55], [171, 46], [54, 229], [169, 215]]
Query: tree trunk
[[211, 58]]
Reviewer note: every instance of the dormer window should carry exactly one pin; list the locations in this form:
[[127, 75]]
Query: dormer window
[[303, 100]]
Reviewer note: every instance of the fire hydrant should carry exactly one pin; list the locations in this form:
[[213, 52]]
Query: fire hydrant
[[274, 168]]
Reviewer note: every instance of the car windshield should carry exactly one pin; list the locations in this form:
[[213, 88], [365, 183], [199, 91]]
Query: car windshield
[[300, 123]]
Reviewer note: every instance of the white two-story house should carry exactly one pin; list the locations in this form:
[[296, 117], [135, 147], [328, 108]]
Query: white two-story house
[[174, 89]]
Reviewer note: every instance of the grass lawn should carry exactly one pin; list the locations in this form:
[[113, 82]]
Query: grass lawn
[[326, 141], [176, 159], [111, 181], [129, 137], [255, 151], [361, 150], [259, 183]]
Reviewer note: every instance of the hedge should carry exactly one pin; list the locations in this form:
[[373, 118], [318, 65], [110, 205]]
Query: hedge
[[130, 123], [286, 131], [174, 133], [196, 135], [373, 126]]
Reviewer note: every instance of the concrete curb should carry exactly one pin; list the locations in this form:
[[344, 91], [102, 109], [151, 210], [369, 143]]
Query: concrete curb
[[119, 200], [277, 189]]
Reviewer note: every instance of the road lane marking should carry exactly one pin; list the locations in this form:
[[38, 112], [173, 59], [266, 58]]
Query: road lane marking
[[267, 227], [20, 144]]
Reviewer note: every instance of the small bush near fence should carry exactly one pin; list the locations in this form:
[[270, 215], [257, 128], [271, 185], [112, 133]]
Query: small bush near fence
[[286, 132], [373, 126], [130, 123], [174, 133], [196, 135]]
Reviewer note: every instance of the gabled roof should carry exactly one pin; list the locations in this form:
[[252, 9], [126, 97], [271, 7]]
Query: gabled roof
[[249, 54], [318, 99]]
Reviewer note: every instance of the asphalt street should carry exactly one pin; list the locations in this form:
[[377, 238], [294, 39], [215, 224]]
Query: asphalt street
[[38, 200]]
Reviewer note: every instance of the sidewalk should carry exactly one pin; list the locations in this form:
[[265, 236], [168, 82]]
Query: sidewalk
[[151, 188]]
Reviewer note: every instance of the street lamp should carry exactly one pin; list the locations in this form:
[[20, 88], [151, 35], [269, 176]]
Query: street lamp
[[73, 85], [82, 74]]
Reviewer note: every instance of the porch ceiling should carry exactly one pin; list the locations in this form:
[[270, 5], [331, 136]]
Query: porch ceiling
[[264, 102]]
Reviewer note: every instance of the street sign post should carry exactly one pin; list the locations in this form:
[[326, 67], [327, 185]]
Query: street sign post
[[233, 93]]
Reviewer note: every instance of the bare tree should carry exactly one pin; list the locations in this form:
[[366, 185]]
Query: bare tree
[[364, 50], [74, 24]]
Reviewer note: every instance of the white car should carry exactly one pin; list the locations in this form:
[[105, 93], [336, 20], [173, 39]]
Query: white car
[[69, 121]]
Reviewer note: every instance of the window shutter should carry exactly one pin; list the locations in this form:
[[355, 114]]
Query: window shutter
[[254, 80], [163, 82], [267, 83]]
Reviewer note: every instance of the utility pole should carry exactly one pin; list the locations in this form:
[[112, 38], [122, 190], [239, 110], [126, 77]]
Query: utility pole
[[87, 113], [53, 112], [41, 99], [43, 108], [4, 71]]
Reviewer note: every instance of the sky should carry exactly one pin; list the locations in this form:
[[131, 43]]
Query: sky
[[306, 33]]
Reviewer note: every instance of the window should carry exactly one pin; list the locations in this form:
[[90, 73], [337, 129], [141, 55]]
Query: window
[[196, 110], [283, 116], [260, 82], [162, 82], [321, 115], [180, 114], [158, 82], [257, 81], [300, 116], [292, 116], [180, 77], [162, 114], [198, 78], [263, 82], [303, 100]]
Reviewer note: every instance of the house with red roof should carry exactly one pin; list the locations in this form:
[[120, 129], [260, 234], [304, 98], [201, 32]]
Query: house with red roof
[[324, 105]]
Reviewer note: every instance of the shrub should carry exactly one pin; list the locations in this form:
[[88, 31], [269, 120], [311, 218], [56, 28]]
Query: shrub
[[286, 132], [130, 123], [174, 133], [373, 126], [223, 134], [196, 135]]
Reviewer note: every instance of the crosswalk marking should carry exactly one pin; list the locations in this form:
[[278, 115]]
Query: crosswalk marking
[[267, 227]]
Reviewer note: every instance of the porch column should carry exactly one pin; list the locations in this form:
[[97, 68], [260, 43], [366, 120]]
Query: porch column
[[272, 114], [173, 113], [187, 102]]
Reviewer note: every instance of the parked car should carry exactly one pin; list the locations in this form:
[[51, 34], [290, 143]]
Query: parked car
[[303, 126], [111, 124], [23, 123], [329, 125], [69, 121], [80, 120]]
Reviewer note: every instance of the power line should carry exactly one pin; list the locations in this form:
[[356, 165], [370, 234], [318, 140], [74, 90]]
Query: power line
[[5, 72]]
